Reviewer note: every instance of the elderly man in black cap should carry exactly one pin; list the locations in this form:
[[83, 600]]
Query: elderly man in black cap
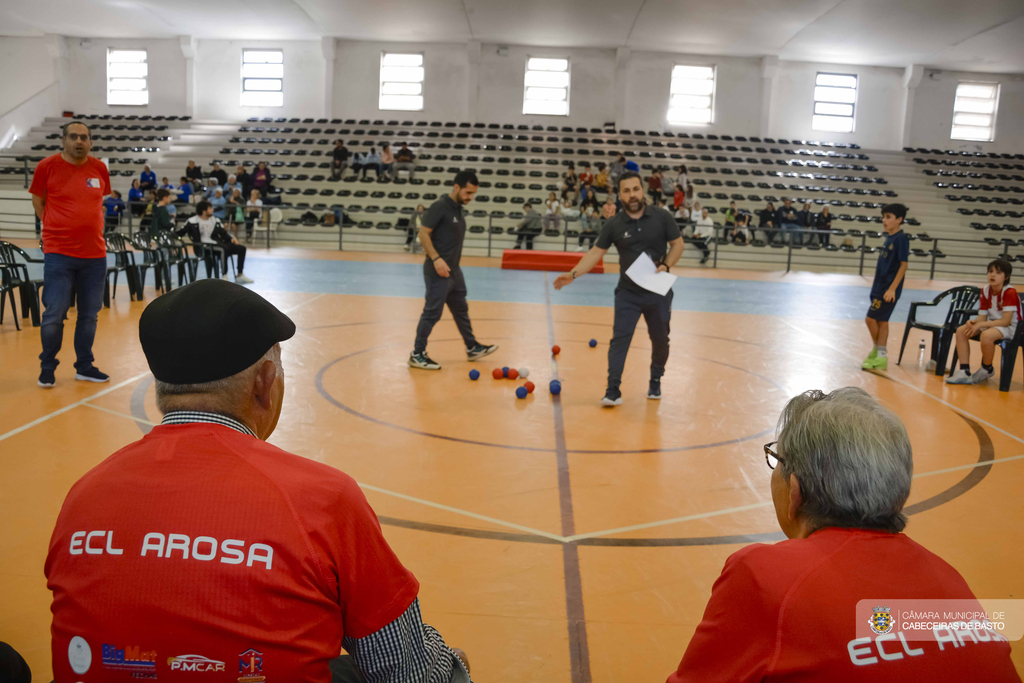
[[201, 545]]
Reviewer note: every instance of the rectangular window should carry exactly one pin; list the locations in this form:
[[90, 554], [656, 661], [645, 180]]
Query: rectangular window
[[546, 87], [974, 112], [692, 95], [835, 99], [401, 82], [127, 77], [262, 78]]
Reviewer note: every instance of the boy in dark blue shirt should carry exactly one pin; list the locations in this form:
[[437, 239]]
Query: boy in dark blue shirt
[[888, 284]]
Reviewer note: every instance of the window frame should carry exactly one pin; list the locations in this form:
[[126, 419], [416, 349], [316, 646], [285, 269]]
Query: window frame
[[995, 111], [145, 79], [568, 85], [242, 79], [714, 91], [381, 81], [853, 105]]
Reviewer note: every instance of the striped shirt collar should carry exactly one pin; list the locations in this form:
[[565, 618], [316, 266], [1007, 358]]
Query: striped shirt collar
[[180, 417]]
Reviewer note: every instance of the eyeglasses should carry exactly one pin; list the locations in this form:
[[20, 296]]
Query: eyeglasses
[[75, 137], [770, 456]]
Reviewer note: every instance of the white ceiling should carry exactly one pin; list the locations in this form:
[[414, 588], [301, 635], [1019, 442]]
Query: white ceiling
[[978, 35]]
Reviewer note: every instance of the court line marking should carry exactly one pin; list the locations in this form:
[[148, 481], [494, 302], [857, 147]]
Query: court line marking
[[124, 415], [71, 406], [307, 301], [812, 336]]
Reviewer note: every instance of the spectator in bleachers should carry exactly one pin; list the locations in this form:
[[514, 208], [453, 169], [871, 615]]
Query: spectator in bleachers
[[703, 230], [231, 186], [147, 179], [405, 160], [999, 315], [114, 206], [683, 213], [841, 474], [588, 196], [387, 162], [785, 219], [740, 232], [608, 209], [205, 228], [211, 187], [339, 159], [136, 199], [591, 224], [824, 222], [162, 220], [244, 179], [586, 177], [632, 166], [414, 225], [805, 219], [654, 186], [553, 212], [570, 183], [219, 203], [220, 174], [262, 179], [185, 190], [235, 211], [165, 184], [766, 222], [602, 181], [617, 168], [365, 161], [195, 175], [730, 217], [679, 187], [253, 212], [571, 215], [528, 228]]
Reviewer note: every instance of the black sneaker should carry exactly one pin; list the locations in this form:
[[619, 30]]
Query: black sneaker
[[92, 375], [46, 379], [613, 397], [479, 351], [654, 391], [423, 362]]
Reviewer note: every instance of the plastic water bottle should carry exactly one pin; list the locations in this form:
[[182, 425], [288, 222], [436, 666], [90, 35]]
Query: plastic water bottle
[[920, 353]]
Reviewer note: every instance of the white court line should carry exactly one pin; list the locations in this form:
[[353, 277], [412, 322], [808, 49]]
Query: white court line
[[124, 415], [439, 506], [307, 301], [811, 336], [71, 406], [969, 467]]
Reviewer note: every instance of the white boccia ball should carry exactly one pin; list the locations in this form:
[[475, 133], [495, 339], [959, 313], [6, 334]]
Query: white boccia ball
[[524, 372]]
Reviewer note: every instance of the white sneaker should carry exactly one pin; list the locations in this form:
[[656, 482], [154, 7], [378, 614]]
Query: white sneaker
[[579, 248], [225, 276], [980, 376], [959, 377], [243, 279]]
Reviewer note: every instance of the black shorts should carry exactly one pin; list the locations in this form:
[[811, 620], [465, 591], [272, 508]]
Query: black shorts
[[881, 309]]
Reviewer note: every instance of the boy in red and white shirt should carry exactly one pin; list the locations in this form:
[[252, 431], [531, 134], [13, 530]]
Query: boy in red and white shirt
[[999, 314]]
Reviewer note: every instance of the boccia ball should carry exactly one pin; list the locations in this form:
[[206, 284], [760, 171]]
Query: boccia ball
[[497, 374], [513, 373], [555, 350], [524, 372], [474, 374], [555, 387], [521, 392], [529, 386], [593, 343], [504, 372]]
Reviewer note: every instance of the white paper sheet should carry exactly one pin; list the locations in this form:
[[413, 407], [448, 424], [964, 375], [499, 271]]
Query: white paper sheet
[[645, 273]]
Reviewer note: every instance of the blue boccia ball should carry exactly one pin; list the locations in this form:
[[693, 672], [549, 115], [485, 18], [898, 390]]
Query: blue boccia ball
[[555, 386], [521, 392], [504, 372], [474, 374], [593, 343]]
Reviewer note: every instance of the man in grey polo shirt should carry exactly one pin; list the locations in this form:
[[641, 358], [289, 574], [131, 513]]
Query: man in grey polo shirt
[[638, 228], [442, 232]]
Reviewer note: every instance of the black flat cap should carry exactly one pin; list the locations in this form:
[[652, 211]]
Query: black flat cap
[[209, 330]]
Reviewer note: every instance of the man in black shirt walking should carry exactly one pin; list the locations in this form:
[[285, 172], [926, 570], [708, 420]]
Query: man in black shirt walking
[[636, 229], [442, 232]]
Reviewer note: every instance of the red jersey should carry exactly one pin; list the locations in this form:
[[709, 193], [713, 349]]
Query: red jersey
[[1006, 301], [786, 612], [586, 178], [199, 548], [73, 215]]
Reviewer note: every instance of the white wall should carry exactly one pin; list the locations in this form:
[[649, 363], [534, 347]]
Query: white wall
[[84, 77], [20, 120], [879, 114], [218, 83], [27, 70], [933, 112]]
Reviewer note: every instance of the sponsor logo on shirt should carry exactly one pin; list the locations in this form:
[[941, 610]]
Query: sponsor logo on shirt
[[881, 622], [79, 655], [93, 182], [455, 219], [194, 663], [250, 665], [130, 658]]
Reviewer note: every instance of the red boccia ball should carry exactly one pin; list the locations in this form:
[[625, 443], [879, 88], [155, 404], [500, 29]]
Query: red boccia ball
[[513, 373], [497, 374], [530, 386], [555, 350]]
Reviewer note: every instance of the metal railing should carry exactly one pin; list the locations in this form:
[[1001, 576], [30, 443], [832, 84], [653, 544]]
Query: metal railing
[[20, 161]]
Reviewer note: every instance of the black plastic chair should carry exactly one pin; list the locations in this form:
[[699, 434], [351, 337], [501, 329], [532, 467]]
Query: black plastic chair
[[15, 275], [152, 257], [124, 261], [1008, 357], [963, 298], [176, 256]]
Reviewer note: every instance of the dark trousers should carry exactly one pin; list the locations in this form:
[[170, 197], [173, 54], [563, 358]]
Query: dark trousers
[[527, 236], [449, 290], [343, 670], [588, 235], [234, 250], [63, 275], [629, 306], [702, 244], [363, 168]]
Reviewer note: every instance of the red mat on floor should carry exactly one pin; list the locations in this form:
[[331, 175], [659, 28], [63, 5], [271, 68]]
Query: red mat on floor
[[555, 261]]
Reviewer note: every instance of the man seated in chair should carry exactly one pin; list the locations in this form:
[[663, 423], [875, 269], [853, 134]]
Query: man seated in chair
[[204, 228], [999, 314]]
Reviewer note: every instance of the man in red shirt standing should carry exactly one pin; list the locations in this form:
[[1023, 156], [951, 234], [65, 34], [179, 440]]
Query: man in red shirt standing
[[841, 473], [67, 195], [202, 548]]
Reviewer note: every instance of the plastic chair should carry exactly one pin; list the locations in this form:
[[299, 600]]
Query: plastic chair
[[963, 298], [1008, 357]]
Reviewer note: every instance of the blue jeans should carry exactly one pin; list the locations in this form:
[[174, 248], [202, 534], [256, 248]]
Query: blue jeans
[[62, 275], [789, 233]]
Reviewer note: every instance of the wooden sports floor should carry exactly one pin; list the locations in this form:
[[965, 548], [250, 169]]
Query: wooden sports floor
[[554, 540]]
